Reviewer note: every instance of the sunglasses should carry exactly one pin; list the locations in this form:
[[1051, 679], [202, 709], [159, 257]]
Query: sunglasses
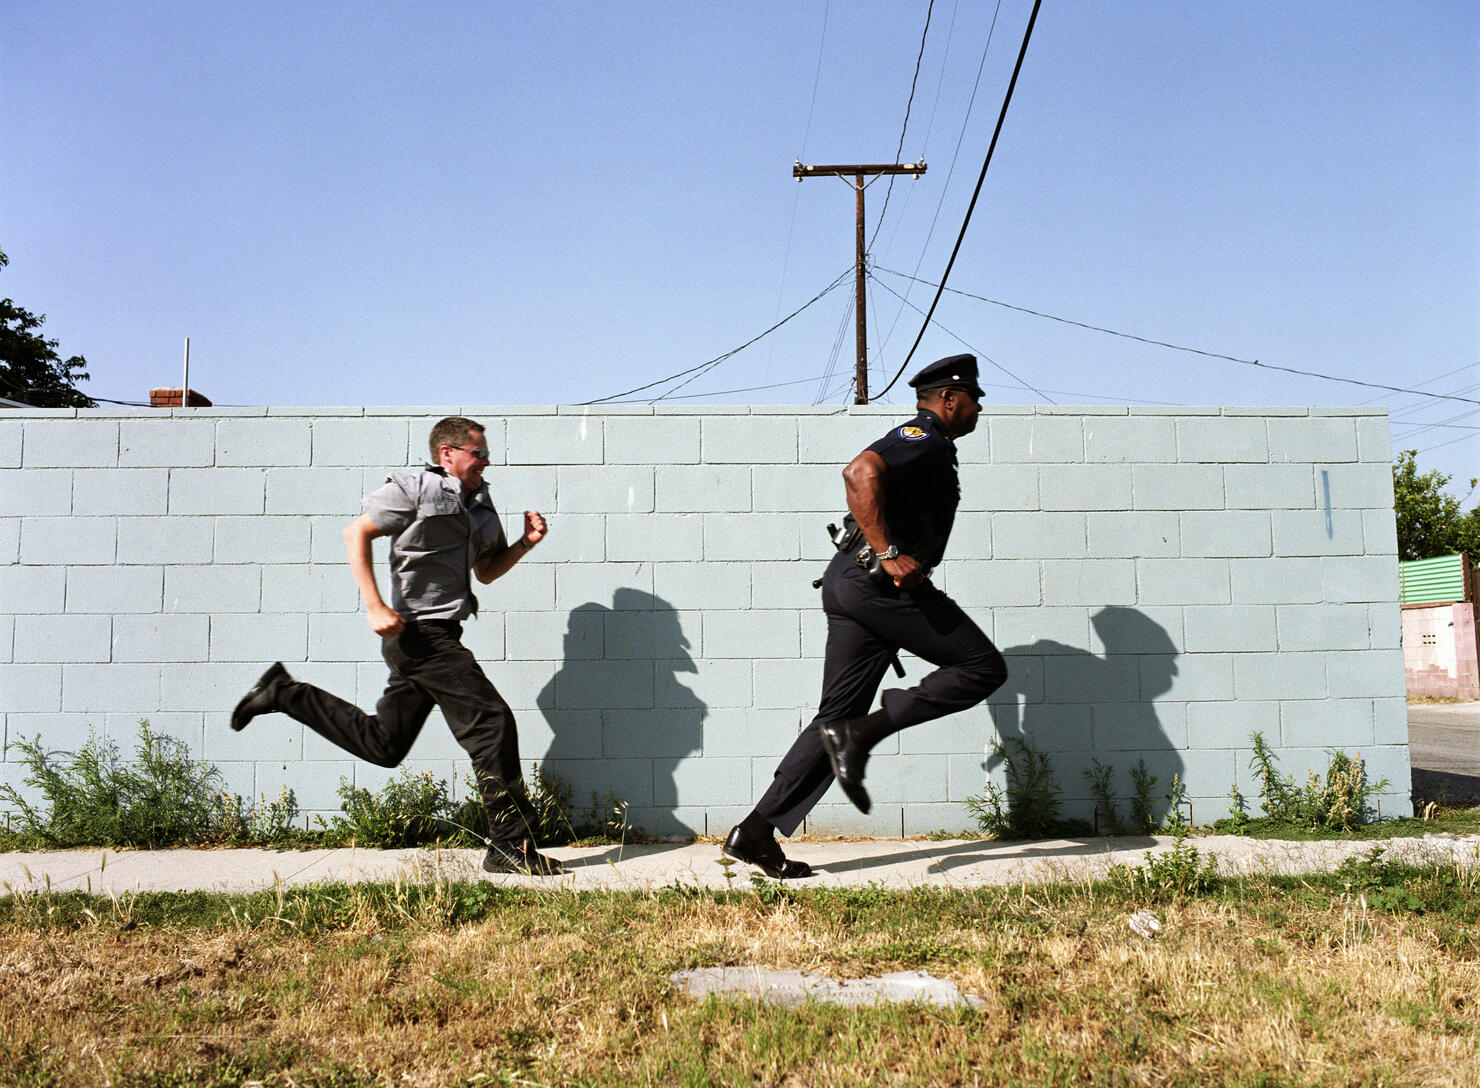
[[474, 450]]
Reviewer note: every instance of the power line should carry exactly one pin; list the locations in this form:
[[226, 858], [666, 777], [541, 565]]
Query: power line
[[816, 79], [1001, 117], [905, 127], [1441, 445], [980, 354], [1407, 411], [796, 193], [1430, 426], [837, 348], [1416, 427], [696, 371], [1077, 324], [960, 138], [715, 362], [1199, 351], [747, 389], [1435, 378], [1354, 381]]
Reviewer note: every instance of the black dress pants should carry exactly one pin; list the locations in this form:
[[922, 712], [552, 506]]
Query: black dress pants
[[429, 667], [866, 626]]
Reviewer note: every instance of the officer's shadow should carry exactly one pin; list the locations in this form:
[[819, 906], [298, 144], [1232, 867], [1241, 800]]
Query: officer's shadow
[[1094, 713], [621, 720], [1078, 708]]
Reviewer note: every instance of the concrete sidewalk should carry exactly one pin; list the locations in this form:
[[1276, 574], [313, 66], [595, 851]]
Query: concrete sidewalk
[[888, 863]]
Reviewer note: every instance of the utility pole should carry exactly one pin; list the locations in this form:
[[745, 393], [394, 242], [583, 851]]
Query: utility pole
[[858, 173]]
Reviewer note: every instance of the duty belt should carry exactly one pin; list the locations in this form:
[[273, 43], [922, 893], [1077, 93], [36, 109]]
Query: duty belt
[[848, 539]]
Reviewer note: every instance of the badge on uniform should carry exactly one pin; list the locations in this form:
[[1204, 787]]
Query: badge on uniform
[[910, 433]]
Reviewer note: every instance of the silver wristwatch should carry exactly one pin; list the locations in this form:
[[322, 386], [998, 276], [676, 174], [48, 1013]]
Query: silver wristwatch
[[891, 552]]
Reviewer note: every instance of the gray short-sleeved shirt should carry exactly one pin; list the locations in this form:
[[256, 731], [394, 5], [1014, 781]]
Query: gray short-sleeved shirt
[[435, 541]]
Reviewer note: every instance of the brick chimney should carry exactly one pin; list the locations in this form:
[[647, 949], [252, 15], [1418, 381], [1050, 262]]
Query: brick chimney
[[170, 398]]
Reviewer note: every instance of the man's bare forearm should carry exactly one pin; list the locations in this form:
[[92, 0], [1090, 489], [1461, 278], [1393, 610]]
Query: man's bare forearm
[[357, 537], [490, 567]]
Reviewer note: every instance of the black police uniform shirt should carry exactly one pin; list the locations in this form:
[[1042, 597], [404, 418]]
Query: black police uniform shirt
[[921, 488]]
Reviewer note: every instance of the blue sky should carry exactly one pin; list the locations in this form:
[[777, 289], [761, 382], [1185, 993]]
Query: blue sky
[[535, 203]]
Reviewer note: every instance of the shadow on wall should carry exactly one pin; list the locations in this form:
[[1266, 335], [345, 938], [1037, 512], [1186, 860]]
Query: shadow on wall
[[1078, 707], [622, 720]]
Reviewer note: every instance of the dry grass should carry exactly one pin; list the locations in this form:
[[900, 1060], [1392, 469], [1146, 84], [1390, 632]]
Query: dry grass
[[1265, 984]]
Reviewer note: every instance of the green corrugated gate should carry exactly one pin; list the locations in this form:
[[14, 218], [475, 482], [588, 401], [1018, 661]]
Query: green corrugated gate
[[1428, 581]]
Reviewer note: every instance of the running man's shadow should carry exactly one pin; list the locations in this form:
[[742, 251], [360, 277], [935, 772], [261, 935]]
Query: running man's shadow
[[1080, 708], [621, 720]]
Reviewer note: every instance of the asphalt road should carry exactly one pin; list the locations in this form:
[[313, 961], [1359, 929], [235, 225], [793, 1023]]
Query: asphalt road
[[1444, 746]]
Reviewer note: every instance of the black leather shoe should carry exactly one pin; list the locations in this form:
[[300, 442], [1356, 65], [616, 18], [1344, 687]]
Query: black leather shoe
[[765, 855], [507, 856], [262, 698], [848, 758]]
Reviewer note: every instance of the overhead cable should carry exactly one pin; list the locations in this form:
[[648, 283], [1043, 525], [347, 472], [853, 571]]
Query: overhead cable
[[1441, 445], [980, 354], [715, 362], [1078, 324], [1416, 408], [956, 152], [898, 151], [1199, 351], [747, 389], [796, 189], [1001, 117], [1435, 378], [844, 323], [843, 277]]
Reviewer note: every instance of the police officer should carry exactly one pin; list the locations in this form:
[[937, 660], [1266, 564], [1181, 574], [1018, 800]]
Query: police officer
[[902, 494]]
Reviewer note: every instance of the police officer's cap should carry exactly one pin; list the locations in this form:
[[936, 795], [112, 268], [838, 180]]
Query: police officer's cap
[[955, 371]]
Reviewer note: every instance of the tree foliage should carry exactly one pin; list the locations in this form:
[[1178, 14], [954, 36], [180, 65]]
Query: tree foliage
[[1430, 521], [31, 371]]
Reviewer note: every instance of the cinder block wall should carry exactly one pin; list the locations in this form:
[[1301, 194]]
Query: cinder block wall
[[1164, 583]]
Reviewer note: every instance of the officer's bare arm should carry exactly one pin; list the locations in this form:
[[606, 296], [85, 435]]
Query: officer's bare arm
[[358, 534], [863, 483], [489, 567]]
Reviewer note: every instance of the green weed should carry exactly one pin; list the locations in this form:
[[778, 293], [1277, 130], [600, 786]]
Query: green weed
[[1029, 808], [162, 797], [1142, 783], [1180, 874], [1341, 801], [413, 808], [1099, 776]]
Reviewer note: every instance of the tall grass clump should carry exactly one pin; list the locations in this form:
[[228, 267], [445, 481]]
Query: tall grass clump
[[1030, 807], [1178, 875], [414, 808], [162, 797], [1341, 800]]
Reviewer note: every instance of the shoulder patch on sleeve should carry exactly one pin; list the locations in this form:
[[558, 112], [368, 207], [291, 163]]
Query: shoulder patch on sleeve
[[910, 433]]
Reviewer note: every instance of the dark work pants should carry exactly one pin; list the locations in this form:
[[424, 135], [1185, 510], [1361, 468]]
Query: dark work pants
[[429, 667], [866, 626]]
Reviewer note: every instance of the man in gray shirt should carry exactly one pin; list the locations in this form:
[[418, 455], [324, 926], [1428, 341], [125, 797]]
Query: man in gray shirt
[[442, 525]]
